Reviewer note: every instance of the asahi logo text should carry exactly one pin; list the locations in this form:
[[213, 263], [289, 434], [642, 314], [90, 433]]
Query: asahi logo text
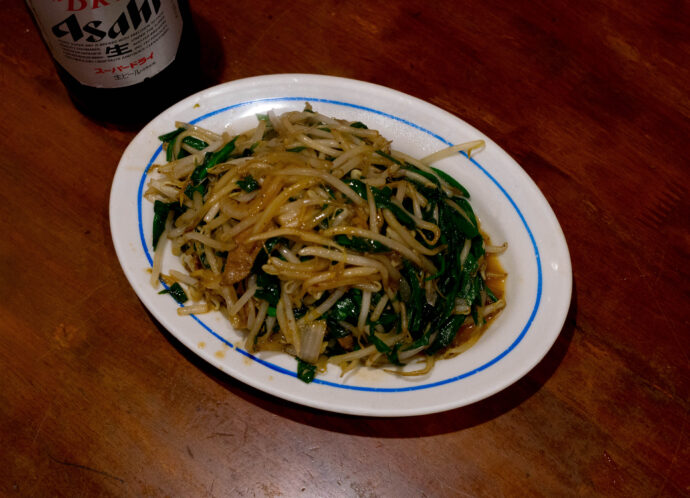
[[130, 18]]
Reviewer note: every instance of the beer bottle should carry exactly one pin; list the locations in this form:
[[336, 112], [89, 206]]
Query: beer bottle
[[121, 61]]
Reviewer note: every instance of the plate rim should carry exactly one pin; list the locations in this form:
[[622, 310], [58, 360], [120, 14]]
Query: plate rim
[[326, 81]]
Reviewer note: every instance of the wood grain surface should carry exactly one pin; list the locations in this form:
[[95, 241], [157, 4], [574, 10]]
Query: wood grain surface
[[591, 98]]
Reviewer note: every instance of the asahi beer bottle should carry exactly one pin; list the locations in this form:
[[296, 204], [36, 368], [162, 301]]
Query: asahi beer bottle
[[122, 61]]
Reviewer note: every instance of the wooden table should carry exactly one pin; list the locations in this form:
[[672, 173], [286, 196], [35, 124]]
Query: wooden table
[[591, 98]]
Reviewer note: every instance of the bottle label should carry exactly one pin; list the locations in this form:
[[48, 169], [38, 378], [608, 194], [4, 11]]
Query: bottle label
[[110, 43]]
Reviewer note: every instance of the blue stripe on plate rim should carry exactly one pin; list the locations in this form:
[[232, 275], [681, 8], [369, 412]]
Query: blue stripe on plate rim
[[291, 373]]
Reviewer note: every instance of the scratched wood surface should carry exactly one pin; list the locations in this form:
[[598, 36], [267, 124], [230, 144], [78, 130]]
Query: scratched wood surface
[[591, 98]]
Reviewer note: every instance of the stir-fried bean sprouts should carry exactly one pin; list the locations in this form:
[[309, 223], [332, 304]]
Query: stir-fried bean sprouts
[[316, 238]]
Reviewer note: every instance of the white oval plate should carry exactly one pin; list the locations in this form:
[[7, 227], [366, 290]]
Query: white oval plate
[[510, 206]]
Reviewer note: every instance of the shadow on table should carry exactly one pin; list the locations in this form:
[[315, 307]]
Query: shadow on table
[[399, 427], [208, 73]]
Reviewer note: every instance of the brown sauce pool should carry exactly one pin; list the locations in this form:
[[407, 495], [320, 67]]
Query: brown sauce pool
[[469, 333]]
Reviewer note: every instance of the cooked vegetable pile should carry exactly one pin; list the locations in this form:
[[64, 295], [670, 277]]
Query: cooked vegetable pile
[[316, 238]]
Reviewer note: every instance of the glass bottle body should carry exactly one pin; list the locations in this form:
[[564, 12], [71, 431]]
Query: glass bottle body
[[121, 62]]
